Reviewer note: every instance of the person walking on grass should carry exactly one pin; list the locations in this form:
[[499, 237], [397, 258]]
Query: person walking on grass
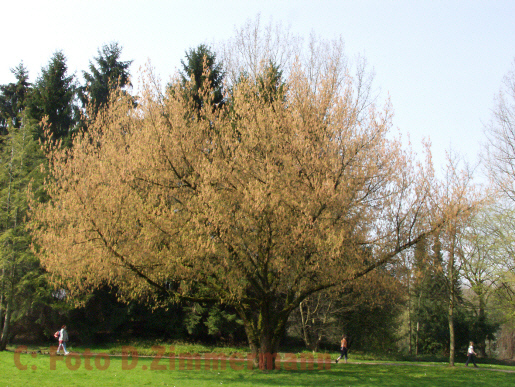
[[63, 338], [471, 355], [343, 349]]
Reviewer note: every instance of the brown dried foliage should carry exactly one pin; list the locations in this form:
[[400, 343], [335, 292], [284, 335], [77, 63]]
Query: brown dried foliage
[[255, 204]]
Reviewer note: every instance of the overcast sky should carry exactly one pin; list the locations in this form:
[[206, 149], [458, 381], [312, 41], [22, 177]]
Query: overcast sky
[[440, 62]]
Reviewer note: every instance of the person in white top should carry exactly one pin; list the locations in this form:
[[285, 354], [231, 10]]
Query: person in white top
[[63, 338], [471, 355]]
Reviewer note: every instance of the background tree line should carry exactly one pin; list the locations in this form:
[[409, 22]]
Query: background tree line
[[442, 290]]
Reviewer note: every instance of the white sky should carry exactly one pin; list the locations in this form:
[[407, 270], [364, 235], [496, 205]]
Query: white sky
[[441, 62]]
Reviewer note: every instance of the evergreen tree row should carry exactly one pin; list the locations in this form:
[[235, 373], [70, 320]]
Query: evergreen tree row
[[57, 95]]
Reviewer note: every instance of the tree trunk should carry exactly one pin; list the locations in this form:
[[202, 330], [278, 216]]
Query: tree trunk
[[272, 329], [451, 332], [304, 321], [2, 299], [267, 351], [8, 311], [451, 302], [7, 321], [418, 324], [409, 314], [416, 339], [264, 331], [482, 319]]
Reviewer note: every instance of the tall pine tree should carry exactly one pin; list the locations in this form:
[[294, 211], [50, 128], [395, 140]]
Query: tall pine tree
[[53, 97], [271, 85], [13, 98], [429, 298], [106, 74], [201, 72], [20, 271]]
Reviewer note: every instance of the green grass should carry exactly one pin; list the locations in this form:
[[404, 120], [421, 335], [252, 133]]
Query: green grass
[[38, 372], [143, 347]]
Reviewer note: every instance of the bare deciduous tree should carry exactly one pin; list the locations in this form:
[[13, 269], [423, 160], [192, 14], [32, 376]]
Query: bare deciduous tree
[[458, 190], [500, 147], [254, 46], [500, 164]]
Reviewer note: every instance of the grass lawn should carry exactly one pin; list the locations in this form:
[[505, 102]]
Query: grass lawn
[[76, 370]]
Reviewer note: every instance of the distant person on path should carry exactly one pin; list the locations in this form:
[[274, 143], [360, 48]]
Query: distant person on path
[[471, 355], [343, 349], [63, 338]]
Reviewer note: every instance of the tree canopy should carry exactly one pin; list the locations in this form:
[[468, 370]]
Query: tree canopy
[[13, 98], [20, 271], [262, 192], [202, 73], [53, 97], [108, 73], [279, 201]]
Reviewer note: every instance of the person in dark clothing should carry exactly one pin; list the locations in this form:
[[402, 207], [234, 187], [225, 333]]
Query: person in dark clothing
[[343, 349]]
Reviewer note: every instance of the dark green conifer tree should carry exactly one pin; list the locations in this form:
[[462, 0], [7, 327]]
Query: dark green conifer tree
[[13, 98], [202, 72], [106, 74], [430, 300], [271, 85], [21, 276], [53, 96]]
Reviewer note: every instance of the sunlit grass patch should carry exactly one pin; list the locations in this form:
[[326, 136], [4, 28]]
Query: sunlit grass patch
[[42, 370]]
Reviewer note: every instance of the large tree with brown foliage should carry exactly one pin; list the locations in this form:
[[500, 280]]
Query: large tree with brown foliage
[[258, 204]]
